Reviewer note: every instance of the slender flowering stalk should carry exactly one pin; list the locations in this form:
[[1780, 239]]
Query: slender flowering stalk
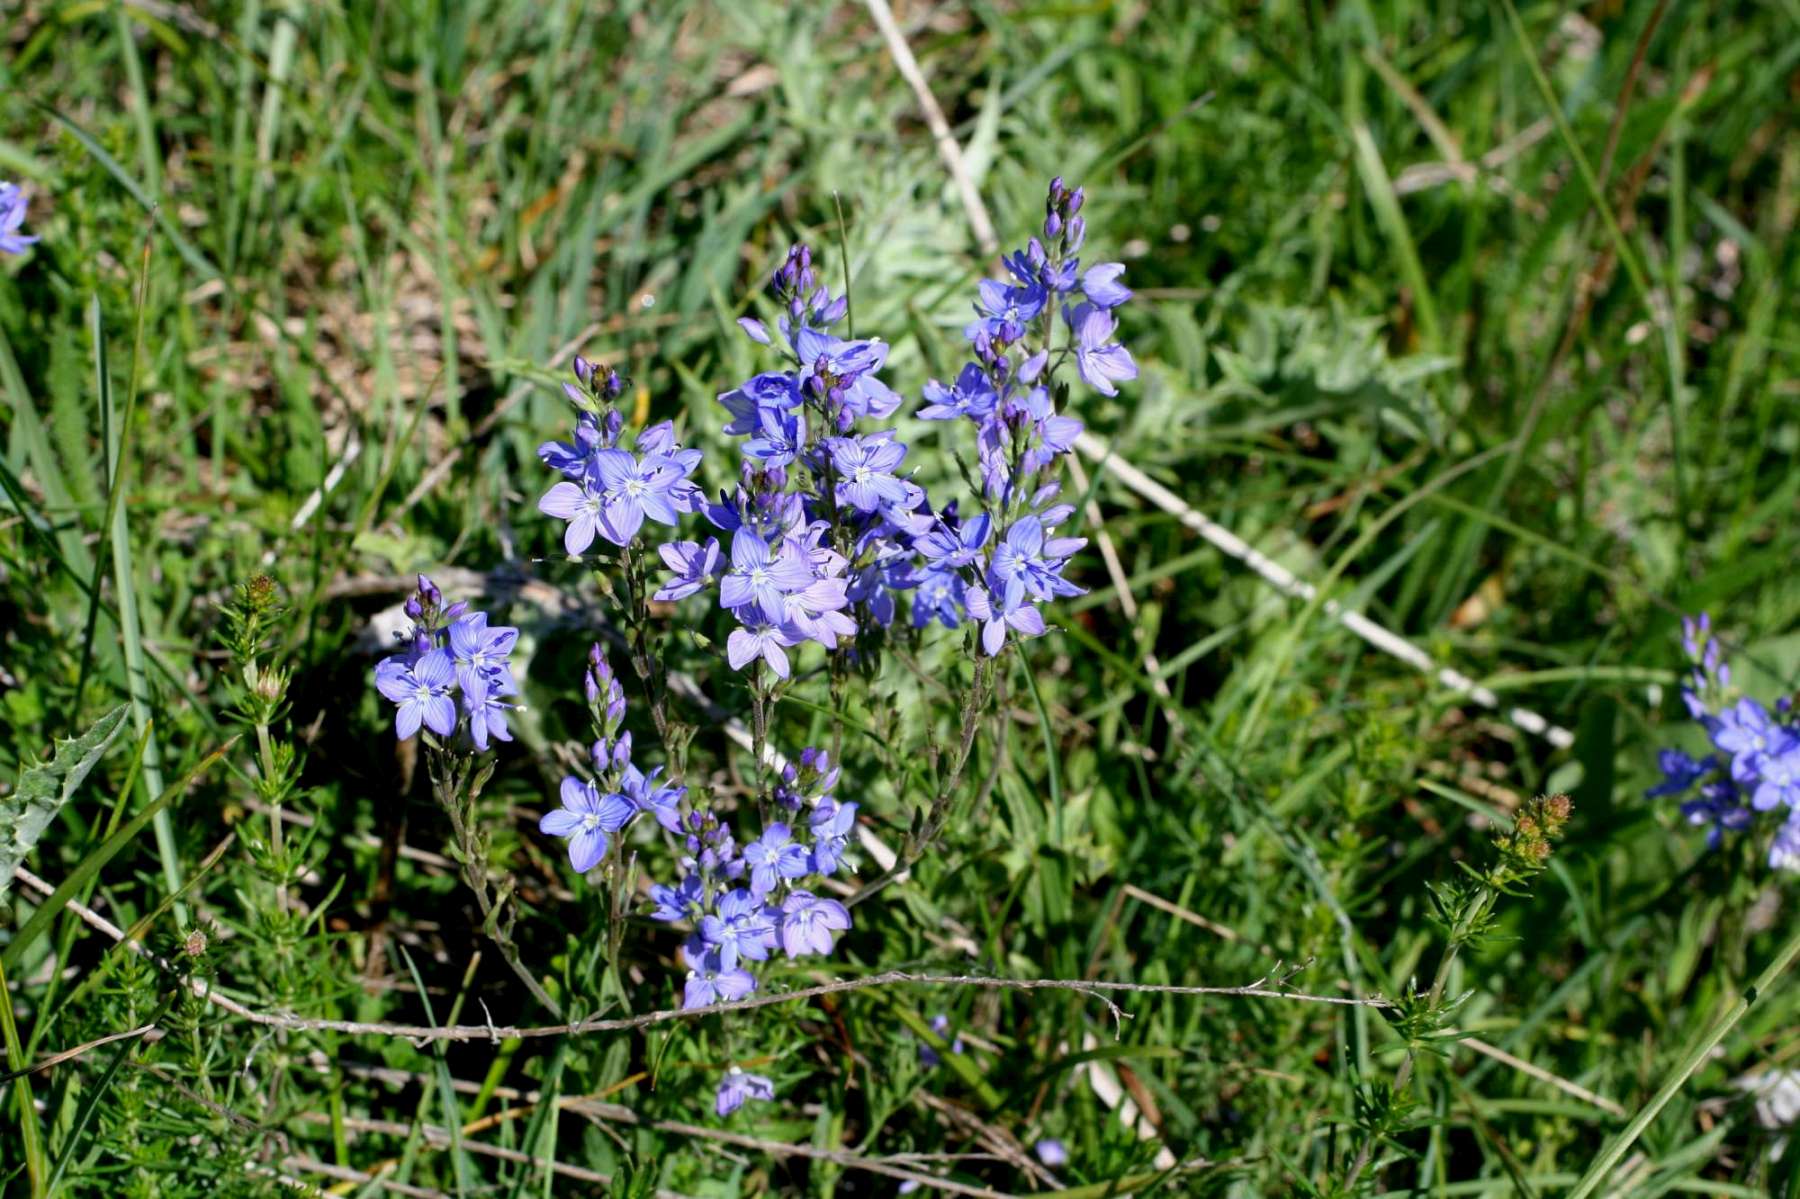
[[606, 495], [449, 685]]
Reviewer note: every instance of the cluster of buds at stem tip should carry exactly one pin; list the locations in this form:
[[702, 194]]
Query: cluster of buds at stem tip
[[1062, 219], [1526, 846]]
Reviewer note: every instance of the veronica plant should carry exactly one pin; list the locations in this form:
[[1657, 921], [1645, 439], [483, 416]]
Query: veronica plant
[[1754, 765], [826, 538], [452, 686]]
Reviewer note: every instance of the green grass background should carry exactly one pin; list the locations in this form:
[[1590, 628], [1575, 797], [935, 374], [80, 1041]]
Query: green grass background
[[1527, 412]]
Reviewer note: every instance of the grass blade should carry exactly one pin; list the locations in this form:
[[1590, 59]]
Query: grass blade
[[1697, 1054], [30, 1134]]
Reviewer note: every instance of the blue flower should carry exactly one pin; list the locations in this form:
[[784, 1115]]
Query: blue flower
[[770, 392], [1102, 287], [1004, 310], [761, 640], [661, 803], [738, 929], [946, 547], [634, 489], [1051, 1152], [1055, 434], [585, 819], [844, 372], [1778, 773], [929, 1057], [810, 924], [831, 823], [972, 396], [695, 566], [1784, 850], [737, 1086], [570, 459], [684, 901], [817, 612], [483, 696], [774, 857], [479, 650], [1680, 772], [998, 620], [939, 596], [13, 203], [422, 691], [1719, 810], [1021, 564], [780, 437], [760, 579], [1745, 732], [708, 982], [1100, 361], [865, 467]]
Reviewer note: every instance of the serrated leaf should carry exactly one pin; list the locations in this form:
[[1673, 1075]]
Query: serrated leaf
[[44, 789]]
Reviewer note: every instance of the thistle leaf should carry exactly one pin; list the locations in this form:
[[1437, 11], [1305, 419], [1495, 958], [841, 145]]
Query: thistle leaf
[[44, 789]]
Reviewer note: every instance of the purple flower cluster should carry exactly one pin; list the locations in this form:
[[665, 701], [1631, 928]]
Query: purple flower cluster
[[827, 529], [1755, 763], [13, 203], [822, 519], [594, 810], [450, 653], [746, 903], [998, 566], [608, 491]]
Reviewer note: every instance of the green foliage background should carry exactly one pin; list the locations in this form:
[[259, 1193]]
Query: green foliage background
[[347, 247]]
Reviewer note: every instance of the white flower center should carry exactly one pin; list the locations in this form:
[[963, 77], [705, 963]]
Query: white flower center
[[590, 822]]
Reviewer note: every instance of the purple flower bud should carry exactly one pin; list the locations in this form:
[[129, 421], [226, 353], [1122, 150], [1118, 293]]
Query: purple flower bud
[[621, 753], [414, 610], [610, 426], [1075, 200], [611, 387], [1052, 226], [1077, 234], [584, 370]]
